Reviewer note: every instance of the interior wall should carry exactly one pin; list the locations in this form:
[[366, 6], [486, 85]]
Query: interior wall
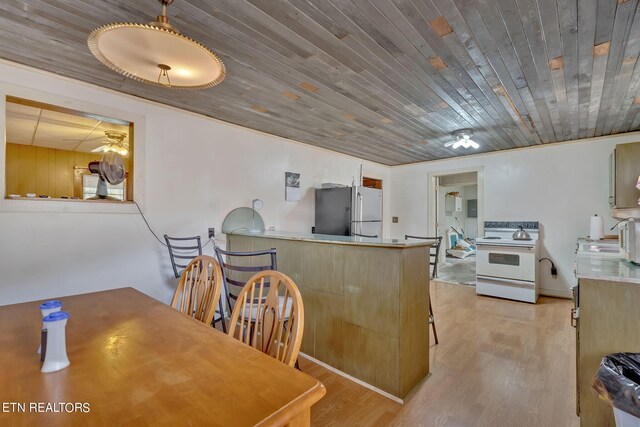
[[190, 172], [560, 185]]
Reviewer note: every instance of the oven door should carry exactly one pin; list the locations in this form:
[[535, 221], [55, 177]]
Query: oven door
[[508, 262]]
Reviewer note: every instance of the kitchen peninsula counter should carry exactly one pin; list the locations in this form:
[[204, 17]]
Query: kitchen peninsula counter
[[366, 302]]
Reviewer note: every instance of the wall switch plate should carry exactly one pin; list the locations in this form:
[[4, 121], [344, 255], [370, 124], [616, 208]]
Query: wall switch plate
[[394, 219], [212, 233]]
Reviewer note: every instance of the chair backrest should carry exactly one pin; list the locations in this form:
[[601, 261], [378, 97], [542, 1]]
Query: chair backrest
[[198, 291], [238, 267], [434, 252], [182, 250], [270, 317]]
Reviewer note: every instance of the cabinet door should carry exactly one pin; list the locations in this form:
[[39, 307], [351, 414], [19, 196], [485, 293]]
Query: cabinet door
[[627, 171]]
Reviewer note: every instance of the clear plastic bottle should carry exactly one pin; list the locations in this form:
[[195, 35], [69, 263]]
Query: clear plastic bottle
[[56, 348]]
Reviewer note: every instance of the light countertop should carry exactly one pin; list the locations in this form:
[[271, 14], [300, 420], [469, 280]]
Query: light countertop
[[344, 240], [606, 268]]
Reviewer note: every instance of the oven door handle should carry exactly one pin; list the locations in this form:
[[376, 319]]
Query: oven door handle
[[508, 281], [511, 247]]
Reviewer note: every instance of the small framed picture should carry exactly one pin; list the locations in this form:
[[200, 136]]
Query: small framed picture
[[292, 192]]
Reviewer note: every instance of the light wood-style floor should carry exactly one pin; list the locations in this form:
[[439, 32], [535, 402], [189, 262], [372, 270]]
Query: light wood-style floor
[[499, 363]]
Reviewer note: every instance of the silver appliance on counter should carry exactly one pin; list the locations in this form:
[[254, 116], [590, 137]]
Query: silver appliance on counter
[[507, 267], [349, 211], [629, 237]]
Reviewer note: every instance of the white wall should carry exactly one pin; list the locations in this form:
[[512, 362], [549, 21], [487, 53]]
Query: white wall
[[190, 171], [560, 185]]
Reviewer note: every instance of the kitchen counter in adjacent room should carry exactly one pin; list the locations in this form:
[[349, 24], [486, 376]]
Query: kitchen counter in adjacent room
[[366, 303]]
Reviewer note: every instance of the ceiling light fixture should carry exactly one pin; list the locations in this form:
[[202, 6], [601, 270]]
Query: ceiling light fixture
[[463, 139], [157, 53], [115, 142]]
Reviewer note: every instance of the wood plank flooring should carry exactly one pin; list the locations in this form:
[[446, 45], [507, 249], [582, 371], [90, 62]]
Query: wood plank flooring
[[499, 363]]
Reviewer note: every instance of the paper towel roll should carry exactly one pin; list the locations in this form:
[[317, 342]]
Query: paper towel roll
[[596, 229]]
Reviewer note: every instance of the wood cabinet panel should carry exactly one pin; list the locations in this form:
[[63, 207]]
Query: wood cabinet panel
[[627, 172], [372, 357], [608, 324]]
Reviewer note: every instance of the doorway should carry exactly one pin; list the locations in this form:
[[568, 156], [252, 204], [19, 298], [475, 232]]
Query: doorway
[[457, 219]]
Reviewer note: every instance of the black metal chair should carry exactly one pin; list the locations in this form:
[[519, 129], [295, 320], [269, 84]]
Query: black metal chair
[[434, 253], [238, 267], [182, 250]]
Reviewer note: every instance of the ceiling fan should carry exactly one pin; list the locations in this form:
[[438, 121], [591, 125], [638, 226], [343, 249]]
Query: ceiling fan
[[115, 142], [463, 139]]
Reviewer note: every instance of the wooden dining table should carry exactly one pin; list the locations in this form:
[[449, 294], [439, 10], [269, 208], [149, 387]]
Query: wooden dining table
[[136, 361]]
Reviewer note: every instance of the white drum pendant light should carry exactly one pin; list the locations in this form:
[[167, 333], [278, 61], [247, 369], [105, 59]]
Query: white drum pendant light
[[157, 54]]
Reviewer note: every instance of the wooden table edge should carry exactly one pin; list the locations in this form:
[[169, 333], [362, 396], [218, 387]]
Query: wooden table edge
[[297, 407]]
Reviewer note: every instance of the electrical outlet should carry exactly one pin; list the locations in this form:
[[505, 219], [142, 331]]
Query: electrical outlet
[[394, 219], [554, 271], [212, 233]]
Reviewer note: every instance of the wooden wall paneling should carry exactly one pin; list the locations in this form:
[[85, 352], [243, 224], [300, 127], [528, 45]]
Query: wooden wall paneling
[[530, 45], [41, 170], [454, 91], [601, 54], [507, 76], [568, 14], [411, 24], [414, 338], [520, 58], [52, 172], [480, 86], [27, 169], [586, 34], [626, 86], [543, 31], [12, 171], [372, 278], [312, 125], [363, 359], [479, 68], [370, 58], [622, 25]]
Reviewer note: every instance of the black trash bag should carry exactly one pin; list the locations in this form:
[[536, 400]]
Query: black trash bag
[[618, 381]]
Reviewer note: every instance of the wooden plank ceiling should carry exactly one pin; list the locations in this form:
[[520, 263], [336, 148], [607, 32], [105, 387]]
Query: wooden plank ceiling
[[385, 80]]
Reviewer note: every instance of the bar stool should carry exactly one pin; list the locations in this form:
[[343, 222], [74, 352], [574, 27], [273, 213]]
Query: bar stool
[[434, 253]]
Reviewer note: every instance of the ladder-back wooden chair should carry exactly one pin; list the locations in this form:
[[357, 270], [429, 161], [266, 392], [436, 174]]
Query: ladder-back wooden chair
[[198, 291], [269, 316], [434, 254]]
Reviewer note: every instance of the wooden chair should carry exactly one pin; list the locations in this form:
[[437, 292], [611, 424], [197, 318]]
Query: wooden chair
[[182, 250], [434, 254], [198, 291], [260, 320]]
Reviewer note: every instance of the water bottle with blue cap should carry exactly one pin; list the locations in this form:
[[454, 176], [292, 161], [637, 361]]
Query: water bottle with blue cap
[[47, 308], [55, 357]]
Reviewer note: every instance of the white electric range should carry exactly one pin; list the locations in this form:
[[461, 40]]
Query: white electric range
[[505, 267]]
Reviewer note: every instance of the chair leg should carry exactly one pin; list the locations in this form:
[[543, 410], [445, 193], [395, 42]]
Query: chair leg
[[432, 320], [224, 324]]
